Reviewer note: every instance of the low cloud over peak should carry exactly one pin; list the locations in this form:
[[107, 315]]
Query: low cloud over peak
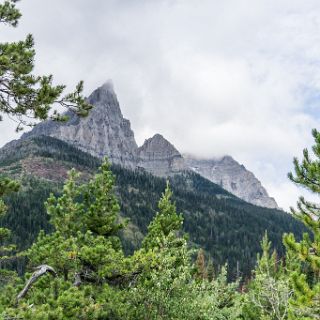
[[216, 78]]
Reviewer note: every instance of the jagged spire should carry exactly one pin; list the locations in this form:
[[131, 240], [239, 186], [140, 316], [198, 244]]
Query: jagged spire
[[104, 94]]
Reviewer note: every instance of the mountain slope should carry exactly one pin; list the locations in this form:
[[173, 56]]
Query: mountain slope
[[228, 228], [158, 156], [105, 132], [232, 176]]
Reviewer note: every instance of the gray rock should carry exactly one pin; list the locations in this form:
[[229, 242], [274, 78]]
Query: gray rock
[[106, 133], [103, 133], [233, 177], [158, 156]]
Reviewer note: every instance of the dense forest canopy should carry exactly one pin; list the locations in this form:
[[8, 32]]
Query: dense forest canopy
[[105, 246], [228, 228]]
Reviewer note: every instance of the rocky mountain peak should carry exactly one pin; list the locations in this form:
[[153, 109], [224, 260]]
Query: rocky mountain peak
[[158, 156], [105, 132], [105, 95], [228, 160], [159, 145]]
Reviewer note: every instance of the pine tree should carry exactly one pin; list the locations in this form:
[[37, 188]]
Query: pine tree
[[166, 288], [6, 186], [23, 95], [167, 223], [306, 300], [84, 252], [269, 291]]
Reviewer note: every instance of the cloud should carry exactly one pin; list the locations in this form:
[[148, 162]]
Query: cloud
[[236, 77]]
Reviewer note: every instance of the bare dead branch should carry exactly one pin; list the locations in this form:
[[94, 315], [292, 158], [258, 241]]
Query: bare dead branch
[[40, 271]]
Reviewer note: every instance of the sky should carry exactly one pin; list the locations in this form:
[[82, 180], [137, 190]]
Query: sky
[[236, 77]]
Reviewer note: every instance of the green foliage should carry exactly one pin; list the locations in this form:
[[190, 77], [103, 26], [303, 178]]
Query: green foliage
[[6, 186], [166, 222], [306, 300], [166, 287], [23, 95], [84, 250], [270, 290], [85, 218], [9, 14], [96, 281], [224, 226]]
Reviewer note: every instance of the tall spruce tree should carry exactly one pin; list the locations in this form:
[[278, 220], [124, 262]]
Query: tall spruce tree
[[166, 224], [306, 300]]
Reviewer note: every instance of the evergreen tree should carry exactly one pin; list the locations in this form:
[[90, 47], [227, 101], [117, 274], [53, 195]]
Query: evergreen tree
[[23, 95], [210, 270], [306, 300], [6, 186], [85, 259], [269, 291], [166, 287], [167, 223]]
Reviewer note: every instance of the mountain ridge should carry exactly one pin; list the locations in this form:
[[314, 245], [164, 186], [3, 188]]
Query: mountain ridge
[[233, 177], [105, 132], [228, 228]]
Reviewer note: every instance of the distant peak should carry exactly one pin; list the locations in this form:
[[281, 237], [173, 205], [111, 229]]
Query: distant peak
[[157, 139], [104, 94], [158, 136], [107, 86], [158, 142], [228, 159]]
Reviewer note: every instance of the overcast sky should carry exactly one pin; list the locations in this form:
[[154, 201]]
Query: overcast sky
[[214, 77]]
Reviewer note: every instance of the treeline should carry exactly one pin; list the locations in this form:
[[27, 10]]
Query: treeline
[[229, 229], [82, 271]]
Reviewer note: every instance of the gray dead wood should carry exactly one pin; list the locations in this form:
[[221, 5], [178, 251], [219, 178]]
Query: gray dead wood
[[40, 271]]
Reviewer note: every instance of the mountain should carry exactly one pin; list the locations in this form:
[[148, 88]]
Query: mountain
[[158, 156], [105, 132], [228, 228], [235, 178]]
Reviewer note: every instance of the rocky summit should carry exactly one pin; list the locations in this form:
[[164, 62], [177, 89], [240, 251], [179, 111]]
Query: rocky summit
[[105, 132], [233, 177], [158, 156]]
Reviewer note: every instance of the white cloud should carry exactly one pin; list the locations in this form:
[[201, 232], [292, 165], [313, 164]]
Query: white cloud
[[236, 77]]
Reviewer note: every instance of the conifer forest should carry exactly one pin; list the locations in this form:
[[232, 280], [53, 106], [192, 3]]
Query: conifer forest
[[136, 233]]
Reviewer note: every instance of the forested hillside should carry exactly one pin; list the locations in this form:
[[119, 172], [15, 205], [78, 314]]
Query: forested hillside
[[228, 228]]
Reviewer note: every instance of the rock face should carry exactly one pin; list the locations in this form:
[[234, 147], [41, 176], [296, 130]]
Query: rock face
[[103, 133], [158, 156], [106, 133], [233, 177]]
